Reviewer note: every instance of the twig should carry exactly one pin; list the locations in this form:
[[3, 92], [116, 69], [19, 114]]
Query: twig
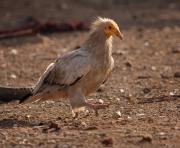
[[159, 99]]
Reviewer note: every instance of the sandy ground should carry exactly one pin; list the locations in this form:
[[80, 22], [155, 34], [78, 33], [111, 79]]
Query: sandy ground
[[144, 88]]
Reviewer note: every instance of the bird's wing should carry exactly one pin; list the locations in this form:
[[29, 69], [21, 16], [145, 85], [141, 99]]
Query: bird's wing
[[67, 70]]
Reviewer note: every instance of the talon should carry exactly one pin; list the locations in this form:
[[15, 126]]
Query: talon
[[74, 114], [96, 107]]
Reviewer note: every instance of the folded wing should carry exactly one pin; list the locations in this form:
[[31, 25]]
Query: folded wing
[[66, 71]]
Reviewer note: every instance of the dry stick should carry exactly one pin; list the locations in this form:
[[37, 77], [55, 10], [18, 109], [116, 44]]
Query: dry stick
[[34, 26], [159, 99]]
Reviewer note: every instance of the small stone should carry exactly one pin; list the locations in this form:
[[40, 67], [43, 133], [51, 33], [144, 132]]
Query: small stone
[[101, 101], [13, 76], [128, 64], [119, 52], [146, 138], [153, 68], [107, 141], [177, 74], [118, 99], [171, 93], [14, 52], [28, 116], [142, 114], [49, 102], [84, 124], [146, 44], [51, 141], [102, 134], [87, 112], [162, 133], [89, 128], [177, 128], [122, 90], [146, 90], [24, 141], [117, 114], [130, 95], [175, 50]]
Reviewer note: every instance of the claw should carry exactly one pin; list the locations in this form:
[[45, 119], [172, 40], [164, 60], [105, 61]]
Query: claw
[[74, 114], [96, 107]]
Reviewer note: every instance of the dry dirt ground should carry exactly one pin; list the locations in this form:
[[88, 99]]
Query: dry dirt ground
[[144, 88]]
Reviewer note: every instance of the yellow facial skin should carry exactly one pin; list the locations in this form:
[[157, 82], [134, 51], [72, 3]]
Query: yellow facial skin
[[112, 29]]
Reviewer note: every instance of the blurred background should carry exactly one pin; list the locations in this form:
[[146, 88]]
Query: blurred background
[[150, 13]]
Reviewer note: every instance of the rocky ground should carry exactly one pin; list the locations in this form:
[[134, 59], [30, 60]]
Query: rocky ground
[[143, 90]]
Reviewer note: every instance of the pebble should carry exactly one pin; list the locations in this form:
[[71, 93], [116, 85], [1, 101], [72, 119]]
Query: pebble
[[28, 116], [119, 52], [146, 90], [142, 114], [153, 68], [13, 76], [49, 102], [101, 101], [84, 124], [107, 141], [162, 133], [146, 44], [177, 74], [175, 50], [118, 99], [117, 114], [122, 90], [14, 52], [128, 64], [87, 112], [171, 93], [146, 138]]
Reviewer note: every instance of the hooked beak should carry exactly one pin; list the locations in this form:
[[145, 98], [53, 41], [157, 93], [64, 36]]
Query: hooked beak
[[119, 34]]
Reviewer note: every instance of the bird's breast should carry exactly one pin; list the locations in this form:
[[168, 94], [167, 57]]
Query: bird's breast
[[99, 73]]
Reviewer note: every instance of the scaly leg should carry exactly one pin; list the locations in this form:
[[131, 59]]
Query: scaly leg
[[78, 102]]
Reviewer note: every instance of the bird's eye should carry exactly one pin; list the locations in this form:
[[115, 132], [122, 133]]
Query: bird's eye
[[110, 27]]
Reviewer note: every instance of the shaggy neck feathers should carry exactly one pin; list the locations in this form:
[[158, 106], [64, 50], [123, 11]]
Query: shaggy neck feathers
[[98, 44]]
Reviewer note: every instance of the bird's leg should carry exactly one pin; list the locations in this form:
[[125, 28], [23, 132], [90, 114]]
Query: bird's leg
[[96, 107], [78, 102]]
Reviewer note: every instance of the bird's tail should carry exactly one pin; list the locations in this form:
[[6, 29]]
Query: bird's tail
[[8, 94]]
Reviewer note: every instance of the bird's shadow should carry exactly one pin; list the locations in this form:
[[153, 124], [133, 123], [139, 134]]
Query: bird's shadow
[[10, 123]]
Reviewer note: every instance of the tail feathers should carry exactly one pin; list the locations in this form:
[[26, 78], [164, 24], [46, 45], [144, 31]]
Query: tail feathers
[[8, 94], [23, 99]]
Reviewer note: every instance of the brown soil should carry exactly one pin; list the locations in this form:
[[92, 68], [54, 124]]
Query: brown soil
[[144, 89]]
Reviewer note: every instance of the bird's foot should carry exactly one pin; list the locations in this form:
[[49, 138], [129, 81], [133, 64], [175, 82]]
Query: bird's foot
[[96, 107], [75, 114]]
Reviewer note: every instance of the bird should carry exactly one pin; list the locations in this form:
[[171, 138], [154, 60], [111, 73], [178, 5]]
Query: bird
[[80, 72]]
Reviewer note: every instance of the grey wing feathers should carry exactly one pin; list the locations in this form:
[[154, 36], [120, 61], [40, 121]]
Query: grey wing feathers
[[66, 71]]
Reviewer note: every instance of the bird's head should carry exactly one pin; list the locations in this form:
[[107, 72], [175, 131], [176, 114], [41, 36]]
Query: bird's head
[[108, 26]]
